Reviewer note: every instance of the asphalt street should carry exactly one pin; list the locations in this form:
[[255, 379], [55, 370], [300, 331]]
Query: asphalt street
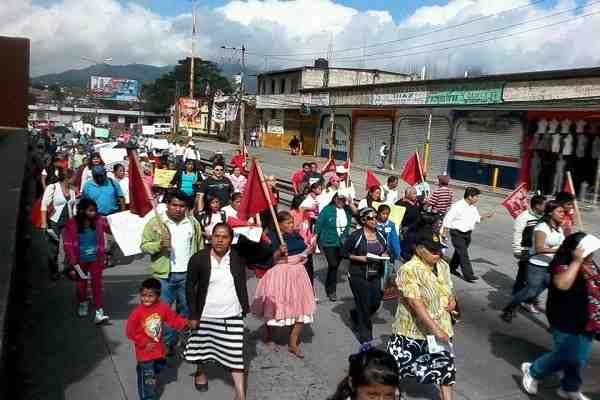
[[71, 359]]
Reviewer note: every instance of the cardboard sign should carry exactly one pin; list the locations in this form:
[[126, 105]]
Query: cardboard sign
[[163, 177]]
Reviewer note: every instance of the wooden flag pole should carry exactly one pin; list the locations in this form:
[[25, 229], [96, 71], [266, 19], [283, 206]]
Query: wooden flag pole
[[577, 213], [266, 191], [419, 165]]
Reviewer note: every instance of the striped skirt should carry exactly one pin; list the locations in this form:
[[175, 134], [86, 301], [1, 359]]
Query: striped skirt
[[217, 340]]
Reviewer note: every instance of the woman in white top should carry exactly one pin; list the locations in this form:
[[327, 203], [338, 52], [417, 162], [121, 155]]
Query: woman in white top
[[374, 195], [547, 238], [58, 205]]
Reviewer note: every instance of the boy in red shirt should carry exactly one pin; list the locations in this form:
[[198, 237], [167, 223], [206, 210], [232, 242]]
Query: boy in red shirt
[[145, 330]]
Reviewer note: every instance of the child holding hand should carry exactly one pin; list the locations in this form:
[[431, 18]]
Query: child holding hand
[[145, 330]]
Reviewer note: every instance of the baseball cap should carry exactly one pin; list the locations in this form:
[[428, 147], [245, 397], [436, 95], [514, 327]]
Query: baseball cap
[[430, 239], [98, 170]]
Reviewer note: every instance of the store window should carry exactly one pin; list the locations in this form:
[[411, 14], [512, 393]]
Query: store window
[[282, 86]]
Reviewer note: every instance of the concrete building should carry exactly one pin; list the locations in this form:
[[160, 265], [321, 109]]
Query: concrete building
[[63, 115], [526, 127], [280, 100]]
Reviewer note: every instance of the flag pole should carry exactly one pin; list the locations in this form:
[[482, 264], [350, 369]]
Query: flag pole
[[419, 165], [268, 196], [577, 213]]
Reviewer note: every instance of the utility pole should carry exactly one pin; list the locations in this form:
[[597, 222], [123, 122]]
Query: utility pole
[[331, 132], [242, 103], [192, 55]]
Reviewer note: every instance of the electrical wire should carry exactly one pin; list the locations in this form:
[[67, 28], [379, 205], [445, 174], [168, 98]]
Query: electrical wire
[[526, 22], [446, 28]]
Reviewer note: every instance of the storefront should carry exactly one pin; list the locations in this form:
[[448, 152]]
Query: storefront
[[484, 141], [370, 130], [343, 124], [557, 142], [411, 135]]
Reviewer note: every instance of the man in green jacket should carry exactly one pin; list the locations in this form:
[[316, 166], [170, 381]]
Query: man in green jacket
[[171, 242]]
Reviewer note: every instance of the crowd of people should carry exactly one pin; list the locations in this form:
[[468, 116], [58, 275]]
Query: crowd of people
[[200, 266]]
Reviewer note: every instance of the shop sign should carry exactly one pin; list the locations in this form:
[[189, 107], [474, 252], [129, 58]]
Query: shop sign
[[465, 94], [316, 99], [557, 89], [408, 96], [275, 126]]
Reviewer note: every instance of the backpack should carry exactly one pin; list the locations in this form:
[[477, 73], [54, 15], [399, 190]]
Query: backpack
[[527, 235]]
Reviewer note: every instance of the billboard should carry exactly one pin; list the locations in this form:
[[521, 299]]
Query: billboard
[[115, 88], [189, 113]]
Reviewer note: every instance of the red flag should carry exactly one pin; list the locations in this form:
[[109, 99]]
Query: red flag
[[516, 201], [411, 172], [371, 180], [140, 199], [329, 166], [253, 200], [347, 165]]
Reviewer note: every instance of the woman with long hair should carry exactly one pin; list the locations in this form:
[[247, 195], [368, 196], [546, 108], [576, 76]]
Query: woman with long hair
[[572, 311], [284, 296], [57, 206], [83, 242], [373, 195], [187, 179], [372, 374], [547, 238]]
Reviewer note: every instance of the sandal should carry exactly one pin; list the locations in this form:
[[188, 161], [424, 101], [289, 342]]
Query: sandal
[[296, 351]]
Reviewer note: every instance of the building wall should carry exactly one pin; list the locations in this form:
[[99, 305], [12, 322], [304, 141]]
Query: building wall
[[315, 78]]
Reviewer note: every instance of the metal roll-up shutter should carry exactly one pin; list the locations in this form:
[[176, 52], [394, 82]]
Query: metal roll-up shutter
[[369, 133], [412, 134]]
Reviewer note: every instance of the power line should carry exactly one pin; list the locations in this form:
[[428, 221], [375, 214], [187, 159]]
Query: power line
[[446, 28], [489, 39], [526, 22]]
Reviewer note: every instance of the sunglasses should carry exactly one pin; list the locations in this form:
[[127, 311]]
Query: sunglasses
[[370, 218], [218, 169]]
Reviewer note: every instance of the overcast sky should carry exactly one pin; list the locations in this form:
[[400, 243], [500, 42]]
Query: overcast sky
[[286, 33]]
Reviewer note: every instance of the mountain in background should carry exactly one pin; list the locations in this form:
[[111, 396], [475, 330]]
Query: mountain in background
[[141, 72]]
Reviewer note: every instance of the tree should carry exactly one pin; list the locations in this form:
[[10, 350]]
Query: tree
[[161, 94]]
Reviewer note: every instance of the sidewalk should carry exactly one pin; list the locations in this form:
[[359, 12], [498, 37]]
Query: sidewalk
[[281, 164]]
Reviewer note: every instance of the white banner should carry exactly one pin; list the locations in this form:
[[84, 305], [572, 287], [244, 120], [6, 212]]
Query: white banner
[[127, 229]]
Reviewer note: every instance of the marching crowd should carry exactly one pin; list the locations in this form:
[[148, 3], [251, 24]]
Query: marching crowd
[[200, 265]]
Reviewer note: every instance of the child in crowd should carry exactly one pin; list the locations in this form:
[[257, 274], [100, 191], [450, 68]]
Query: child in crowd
[[372, 374], [145, 330], [388, 229], [83, 242]]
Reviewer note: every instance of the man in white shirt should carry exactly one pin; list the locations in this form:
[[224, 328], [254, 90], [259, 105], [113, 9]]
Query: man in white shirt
[[458, 223], [522, 242], [383, 153], [179, 152]]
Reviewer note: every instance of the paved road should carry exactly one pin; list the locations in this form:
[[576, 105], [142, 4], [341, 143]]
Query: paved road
[[71, 359]]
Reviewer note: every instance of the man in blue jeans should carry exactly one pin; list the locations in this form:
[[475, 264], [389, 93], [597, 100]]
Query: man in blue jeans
[[171, 240]]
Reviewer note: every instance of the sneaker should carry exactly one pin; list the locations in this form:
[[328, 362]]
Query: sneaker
[[100, 317], [571, 395], [530, 308], [530, 385], [83, 309]]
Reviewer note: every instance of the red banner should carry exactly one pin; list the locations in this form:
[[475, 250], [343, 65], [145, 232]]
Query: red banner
[[516, 201]]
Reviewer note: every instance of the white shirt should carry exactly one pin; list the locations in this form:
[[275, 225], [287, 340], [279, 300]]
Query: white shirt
[[462, 216], [229, 212], [362, 204], [124, 184], [554, 238], [341, 220], [179, 150], [390, 196], [382, 150], [191, 154], [521, 223], [221, 297], [54, 195], [182, 234]]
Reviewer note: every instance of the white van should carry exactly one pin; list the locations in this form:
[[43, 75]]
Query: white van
[[162, 128]]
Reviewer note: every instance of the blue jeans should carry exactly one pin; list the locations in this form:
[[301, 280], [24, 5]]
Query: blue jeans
[[538, 279], [570, 355], [147, 374], [172, 290]]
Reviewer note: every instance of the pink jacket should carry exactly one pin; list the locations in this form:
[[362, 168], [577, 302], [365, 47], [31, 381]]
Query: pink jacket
[[71, 240]]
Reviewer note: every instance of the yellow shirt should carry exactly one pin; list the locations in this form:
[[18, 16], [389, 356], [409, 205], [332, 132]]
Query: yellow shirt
[[416, 280]]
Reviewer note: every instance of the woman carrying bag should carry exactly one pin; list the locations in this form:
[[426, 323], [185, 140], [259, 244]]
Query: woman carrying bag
[[57, 206]]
